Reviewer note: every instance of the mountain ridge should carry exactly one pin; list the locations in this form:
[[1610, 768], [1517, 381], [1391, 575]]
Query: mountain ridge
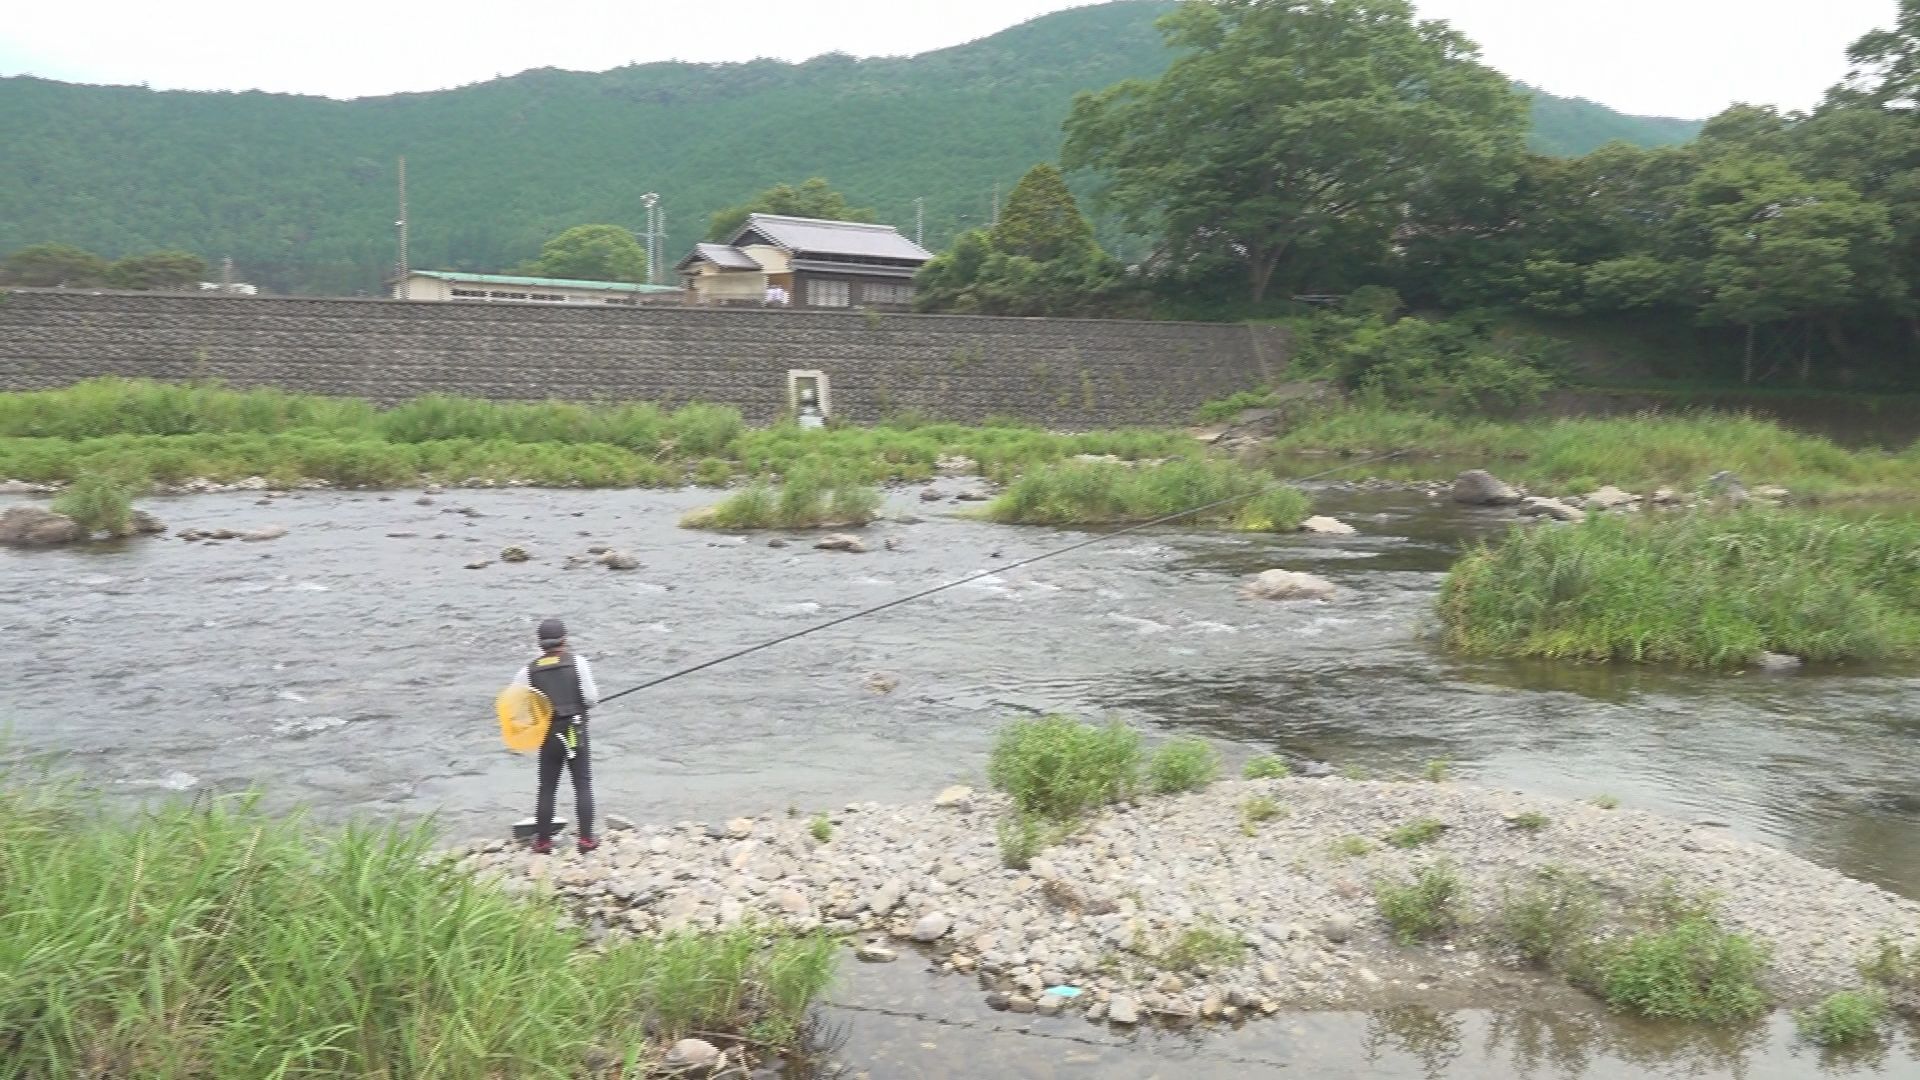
[[299, 189]]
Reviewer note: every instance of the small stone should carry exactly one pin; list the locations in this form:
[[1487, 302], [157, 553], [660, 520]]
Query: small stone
[[1289, 585], [1535, 506], [1124, 1009], [998, 1000], [689, 1054], [1337, 928], [1212, 1006], [740, 828], [841, 542], [776, 542], [514, 553], [885, 898], [619, 560], [1774, 663], [479, 564], [959, 795], [931, 927], [1050, 1005], [1477, 487], [1326, 526], [1020, 1003], [270, 532], [963, 963], [929, 495], [875, 953], [1169, 984], [1610, 498]]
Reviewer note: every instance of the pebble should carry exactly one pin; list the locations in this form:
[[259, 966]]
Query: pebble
[[692, 1054], [931, 928], [1124, 1009], [875, 954]]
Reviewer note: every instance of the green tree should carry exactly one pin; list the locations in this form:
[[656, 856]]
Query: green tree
[[592, 253], [1285, 122], [157, 270], [814, 198], [1040, 259], [49, 265], [1041, 220], [1775, 247]]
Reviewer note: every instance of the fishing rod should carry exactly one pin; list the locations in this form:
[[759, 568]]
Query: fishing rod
[[924, 593]]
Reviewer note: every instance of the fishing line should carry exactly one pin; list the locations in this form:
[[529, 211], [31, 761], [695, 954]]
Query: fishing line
[[924, 593]]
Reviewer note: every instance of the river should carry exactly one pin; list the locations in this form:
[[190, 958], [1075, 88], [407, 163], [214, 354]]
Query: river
[[350, 666]]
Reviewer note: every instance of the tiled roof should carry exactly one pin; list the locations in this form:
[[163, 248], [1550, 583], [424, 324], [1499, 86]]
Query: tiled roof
[[813, 236], [729, 258], [508, 279]]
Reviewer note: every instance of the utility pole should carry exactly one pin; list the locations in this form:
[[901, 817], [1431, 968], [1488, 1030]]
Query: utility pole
[[400, 227], [226, 275], [920, 220], [652, 201]]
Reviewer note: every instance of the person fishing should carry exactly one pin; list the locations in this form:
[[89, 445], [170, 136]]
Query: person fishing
[[566, 681]]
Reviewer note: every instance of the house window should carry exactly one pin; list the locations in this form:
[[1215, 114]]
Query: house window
[[825, 293], [887, 292], [508, 295], [551, 298], [480, 294]]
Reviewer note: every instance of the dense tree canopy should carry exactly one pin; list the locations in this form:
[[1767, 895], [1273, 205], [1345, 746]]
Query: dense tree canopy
[[1040, 258], [158, 270], [814, 198], [1287, 127], [592, 253], [50, 265]]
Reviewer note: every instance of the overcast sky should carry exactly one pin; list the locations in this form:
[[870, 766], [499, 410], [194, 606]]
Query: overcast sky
[[1666, 57]]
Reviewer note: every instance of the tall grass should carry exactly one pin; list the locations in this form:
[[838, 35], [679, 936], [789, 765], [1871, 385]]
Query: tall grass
[[1101, 493], [1702, 590], [1058, 768], [211, 940], [806, 498], [98, 503], [1642, 452]]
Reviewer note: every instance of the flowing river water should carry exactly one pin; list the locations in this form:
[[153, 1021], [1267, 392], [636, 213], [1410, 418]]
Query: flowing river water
[[350, 666]]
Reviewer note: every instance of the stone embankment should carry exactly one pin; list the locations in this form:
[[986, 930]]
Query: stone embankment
[[1137, 914]]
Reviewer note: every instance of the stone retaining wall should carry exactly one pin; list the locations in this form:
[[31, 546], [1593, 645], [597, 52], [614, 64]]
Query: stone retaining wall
[[1068, 373]]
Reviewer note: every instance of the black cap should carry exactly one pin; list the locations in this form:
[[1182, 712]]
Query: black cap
[[552, 632]]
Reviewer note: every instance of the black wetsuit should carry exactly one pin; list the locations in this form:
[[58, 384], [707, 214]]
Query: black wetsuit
[[556, 677]]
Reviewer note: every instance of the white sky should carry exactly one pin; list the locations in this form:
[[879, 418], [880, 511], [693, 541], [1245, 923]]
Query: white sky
[[1666, 57]]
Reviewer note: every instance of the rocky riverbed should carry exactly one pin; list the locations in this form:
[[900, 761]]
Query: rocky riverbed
[[1095, 923]]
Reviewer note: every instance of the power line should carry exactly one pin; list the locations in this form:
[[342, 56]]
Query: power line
[[924, 593]]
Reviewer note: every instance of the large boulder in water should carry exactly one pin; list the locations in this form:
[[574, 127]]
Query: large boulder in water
[[1289, 585], [1478, 487], [34, 526]]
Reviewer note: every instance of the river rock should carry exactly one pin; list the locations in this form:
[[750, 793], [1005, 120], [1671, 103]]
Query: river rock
[[1337, 928], [1289, 585], [1124, 1009], [1478, 487], [691, 1054], [1326, 526], [270, 532], [1610, 498], [931, 928], [875, 953], [1774, 663], [929, 495], [955, 465], [885, 898], [33, 526], [973, 495], [619, 560], [958, 796], [1535, 506], [479, 564], [146, 524], [841, 542], [740, 828], [1049, 1005], [514, 553]]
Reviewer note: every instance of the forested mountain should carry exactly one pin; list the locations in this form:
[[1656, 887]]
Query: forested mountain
[[300, 190]]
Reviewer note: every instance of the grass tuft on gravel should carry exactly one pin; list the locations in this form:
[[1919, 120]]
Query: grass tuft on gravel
[[1428, 906], [1059, 768], [807, 498], [1183, 764], [1691, 970], [1843, 1018]]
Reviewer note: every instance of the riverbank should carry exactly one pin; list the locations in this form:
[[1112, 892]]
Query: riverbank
[[205, 437], [1183, 908]]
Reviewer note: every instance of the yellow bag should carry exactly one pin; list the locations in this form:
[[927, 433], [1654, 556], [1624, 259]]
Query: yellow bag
[[525, 716]]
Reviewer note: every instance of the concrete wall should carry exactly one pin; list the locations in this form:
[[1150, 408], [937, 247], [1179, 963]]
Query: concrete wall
[[1072, 374]]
